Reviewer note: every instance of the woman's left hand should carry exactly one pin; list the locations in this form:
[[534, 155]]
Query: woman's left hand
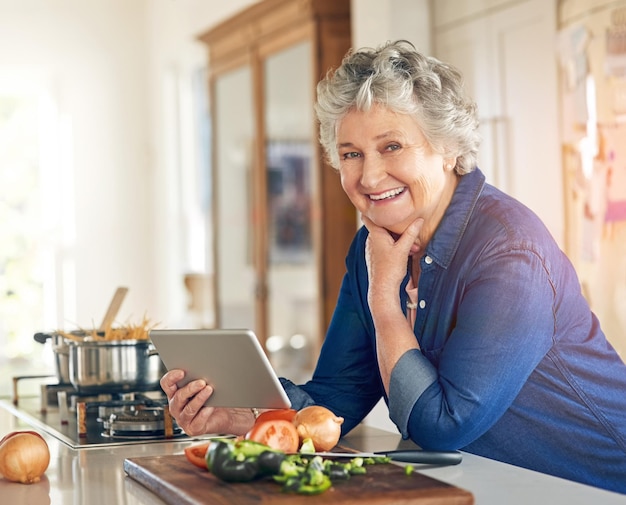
[[187, 407]]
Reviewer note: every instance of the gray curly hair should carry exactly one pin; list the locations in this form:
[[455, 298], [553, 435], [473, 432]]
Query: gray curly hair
[[404, 80]]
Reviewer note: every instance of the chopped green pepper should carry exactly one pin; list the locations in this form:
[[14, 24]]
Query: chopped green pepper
[[271, 462], [243, 460], [307, 446], [223, 463], [249, 449], [336, 471], [311, 480], [289, 468], [376, 460], [356, 466], [302, 473]]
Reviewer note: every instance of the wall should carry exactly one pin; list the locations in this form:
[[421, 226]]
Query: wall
[[497, 45], [120, 75], [91, 57], [376, 21], [593, 106]]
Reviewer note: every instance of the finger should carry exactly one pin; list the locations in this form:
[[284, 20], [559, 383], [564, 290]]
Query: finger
[[205, 421], [194, 417], [409, 240], [169, 382], [189, 394]]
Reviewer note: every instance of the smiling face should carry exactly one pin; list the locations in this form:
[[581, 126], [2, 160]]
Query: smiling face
[[390, 172]]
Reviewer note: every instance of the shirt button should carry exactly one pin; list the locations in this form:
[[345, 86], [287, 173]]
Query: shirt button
[[428, 260], [422, 304]]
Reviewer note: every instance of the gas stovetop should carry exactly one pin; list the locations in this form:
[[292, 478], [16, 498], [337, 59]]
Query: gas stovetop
[[102, 420]]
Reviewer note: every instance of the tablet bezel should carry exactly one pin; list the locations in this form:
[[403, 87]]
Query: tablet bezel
[[230, 360]]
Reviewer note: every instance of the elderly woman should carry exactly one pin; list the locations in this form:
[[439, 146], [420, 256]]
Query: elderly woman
[[457, 308]]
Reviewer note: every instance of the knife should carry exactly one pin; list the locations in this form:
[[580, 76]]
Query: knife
[[404, 456]]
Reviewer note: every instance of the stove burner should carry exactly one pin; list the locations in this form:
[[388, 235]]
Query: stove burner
[[136, 422], [137, 418], [134, 436], [109, 418]]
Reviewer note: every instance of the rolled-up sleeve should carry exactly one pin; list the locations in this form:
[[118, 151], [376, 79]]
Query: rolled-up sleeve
[[410, 377], [297, 396]]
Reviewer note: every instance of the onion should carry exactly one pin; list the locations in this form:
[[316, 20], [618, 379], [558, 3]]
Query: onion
[[24, 457], [9, 435], [319, 424]]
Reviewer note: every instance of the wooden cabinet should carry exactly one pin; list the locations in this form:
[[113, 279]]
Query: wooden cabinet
[[282, 223]]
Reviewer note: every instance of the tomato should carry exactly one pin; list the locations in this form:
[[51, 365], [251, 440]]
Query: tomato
[[196, 454], [268, 415], [276, 433]]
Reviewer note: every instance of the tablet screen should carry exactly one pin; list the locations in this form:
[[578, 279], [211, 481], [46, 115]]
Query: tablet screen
[[232, 361]]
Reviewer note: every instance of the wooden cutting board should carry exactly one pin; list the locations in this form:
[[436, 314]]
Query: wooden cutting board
[[176, 481]]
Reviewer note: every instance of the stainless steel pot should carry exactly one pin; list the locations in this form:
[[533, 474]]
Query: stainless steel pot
[[114, 366], [61, 350]]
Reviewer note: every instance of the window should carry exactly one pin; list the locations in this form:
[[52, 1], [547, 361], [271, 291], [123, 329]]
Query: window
[[33, 215]]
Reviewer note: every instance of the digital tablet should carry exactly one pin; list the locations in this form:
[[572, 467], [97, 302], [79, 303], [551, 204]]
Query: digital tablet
[[231, 361]]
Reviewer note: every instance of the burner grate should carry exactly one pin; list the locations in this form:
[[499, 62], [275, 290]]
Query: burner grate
[[83, 420], [144, 422]]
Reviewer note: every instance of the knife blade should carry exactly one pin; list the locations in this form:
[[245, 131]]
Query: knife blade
[[405, 456]]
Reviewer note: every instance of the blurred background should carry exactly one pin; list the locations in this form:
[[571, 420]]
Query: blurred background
[[129, 158]]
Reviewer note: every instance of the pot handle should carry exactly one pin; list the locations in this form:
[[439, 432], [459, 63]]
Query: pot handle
[[41, 337], [64, 350]]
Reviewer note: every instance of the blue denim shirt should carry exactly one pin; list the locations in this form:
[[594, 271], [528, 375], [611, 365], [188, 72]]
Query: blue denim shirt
[[513, 364]]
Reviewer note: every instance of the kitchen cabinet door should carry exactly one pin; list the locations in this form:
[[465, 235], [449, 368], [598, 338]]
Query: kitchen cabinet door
[[235, 276], [507, 53], [293, 290], [283, 224]]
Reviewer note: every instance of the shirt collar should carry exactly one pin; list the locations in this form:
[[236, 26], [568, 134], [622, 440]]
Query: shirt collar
[[443, 245]]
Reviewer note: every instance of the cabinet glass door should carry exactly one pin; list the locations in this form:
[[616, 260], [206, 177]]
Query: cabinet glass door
[[292, 194], [234, 133]]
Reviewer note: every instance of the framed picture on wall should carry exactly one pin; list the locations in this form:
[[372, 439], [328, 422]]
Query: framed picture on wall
[[290, 197]]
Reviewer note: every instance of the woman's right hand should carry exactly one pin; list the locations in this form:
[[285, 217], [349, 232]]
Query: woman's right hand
[[386, 259], [186, 405]]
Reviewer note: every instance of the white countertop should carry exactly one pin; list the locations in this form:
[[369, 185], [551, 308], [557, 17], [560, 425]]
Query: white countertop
[[96, 476]]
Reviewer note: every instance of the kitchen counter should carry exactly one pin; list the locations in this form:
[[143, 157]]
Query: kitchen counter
[[96, 476]]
